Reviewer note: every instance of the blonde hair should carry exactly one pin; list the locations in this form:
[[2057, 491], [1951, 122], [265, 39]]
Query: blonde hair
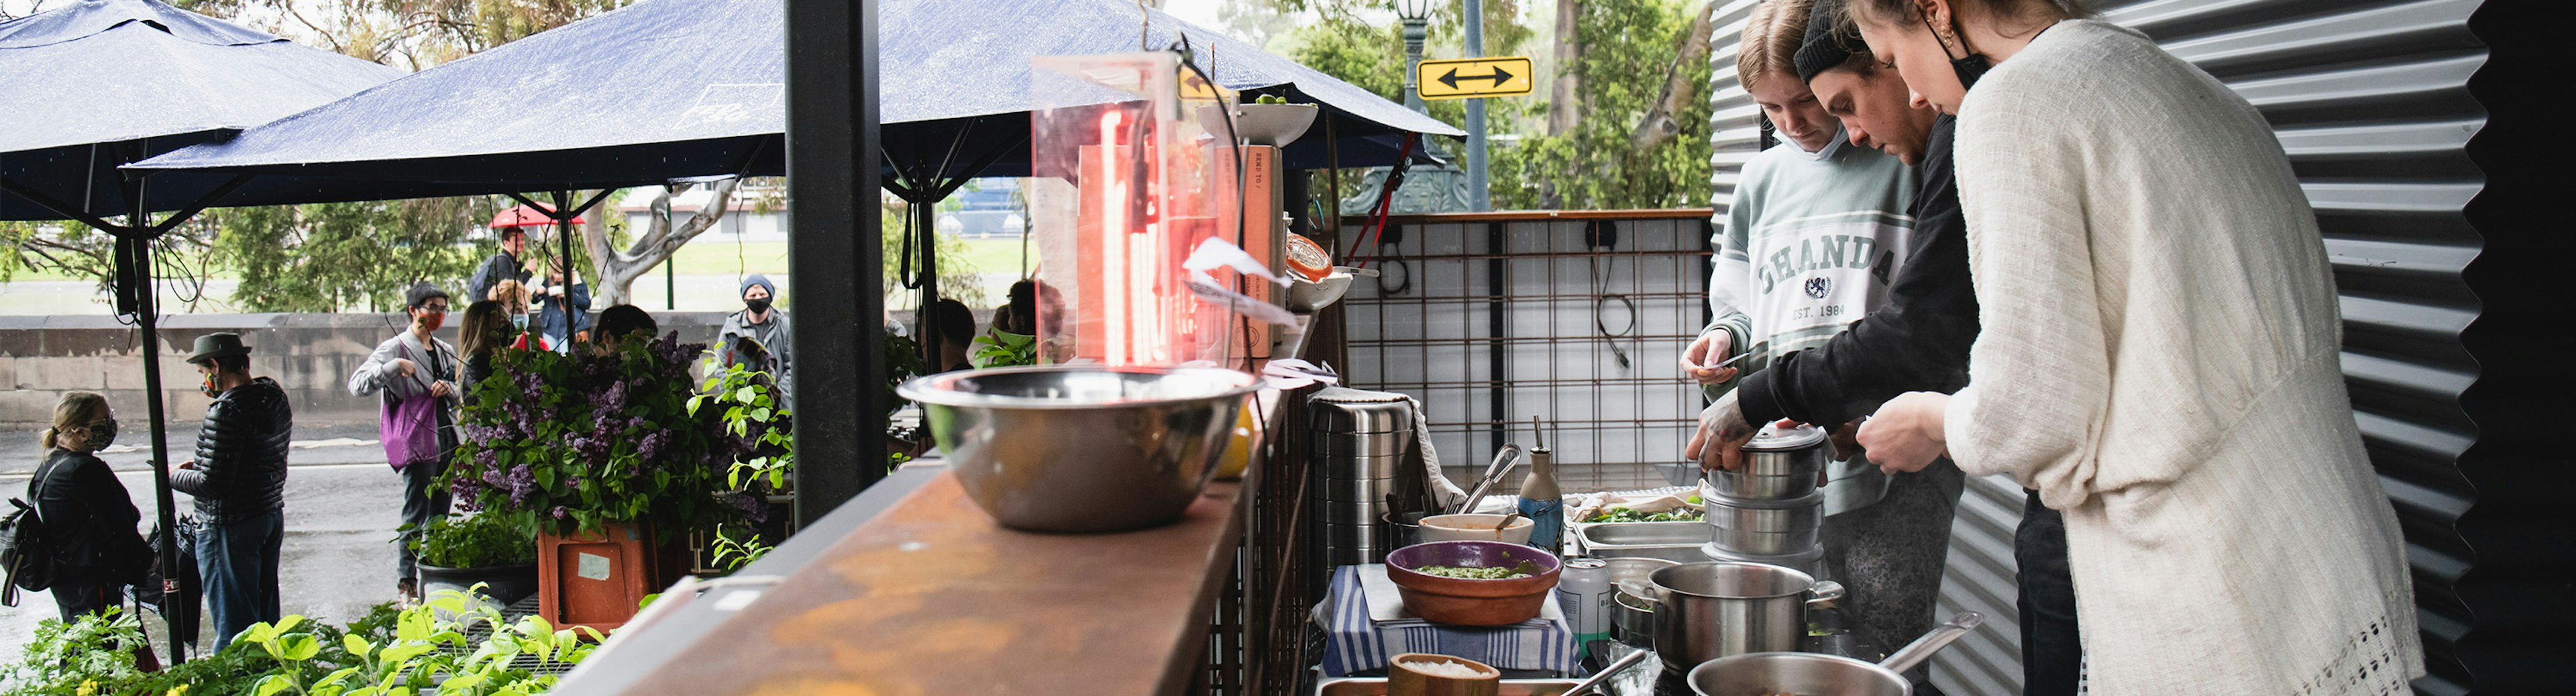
[[76, 411], [1771, 39]]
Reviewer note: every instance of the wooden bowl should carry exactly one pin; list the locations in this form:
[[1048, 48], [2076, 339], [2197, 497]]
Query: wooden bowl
[[1402, 680], [1472, 602]]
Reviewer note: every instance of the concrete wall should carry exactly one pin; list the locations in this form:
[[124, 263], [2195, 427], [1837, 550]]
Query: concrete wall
[[312, 355]]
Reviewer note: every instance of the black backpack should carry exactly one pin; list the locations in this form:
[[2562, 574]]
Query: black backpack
[[26, 555]]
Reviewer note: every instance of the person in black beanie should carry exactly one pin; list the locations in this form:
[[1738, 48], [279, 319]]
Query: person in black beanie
[[1893, 552]]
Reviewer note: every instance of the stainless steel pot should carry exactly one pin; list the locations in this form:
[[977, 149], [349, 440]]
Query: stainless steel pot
[[1779, 464], [1632, 617], [1853, 485], [1705, 611], [1819, 674], [1810, 562], [1765, 528]]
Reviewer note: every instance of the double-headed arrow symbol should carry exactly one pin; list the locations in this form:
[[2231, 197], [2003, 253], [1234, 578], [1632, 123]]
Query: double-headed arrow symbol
[[1498, 76]]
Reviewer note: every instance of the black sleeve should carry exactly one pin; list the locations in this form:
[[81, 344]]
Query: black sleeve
[[1916, 341], [110, 509]]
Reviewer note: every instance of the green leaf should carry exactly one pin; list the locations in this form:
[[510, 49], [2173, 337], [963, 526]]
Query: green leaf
[[273, 684], [467, 680], [336, 676], [301, 647]]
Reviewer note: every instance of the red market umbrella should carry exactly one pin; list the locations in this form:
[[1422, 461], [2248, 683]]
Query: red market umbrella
[[527, 216]]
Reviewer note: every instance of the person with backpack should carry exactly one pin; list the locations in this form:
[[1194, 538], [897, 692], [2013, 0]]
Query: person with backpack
[[87, 523], [239, 482], [416, 375]]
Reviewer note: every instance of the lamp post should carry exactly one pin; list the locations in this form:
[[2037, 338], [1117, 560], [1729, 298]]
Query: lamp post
[[1416, 15]]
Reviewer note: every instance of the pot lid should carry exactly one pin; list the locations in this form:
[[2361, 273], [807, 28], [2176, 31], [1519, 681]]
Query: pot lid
[[1774, 438], [1341, 410]]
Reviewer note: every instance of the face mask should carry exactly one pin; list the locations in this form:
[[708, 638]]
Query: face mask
[[1969, 68], [101, 435], [209, 387], [757, 305], [519, 320], [432, 320]]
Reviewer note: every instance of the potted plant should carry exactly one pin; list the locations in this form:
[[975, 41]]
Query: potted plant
[[494, 548], [606, 458]]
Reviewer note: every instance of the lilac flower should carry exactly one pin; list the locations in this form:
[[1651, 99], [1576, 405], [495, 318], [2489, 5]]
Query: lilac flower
[[561, 513]]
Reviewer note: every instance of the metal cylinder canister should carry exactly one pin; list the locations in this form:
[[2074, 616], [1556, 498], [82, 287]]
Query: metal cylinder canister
[[1359, 443], [1583, 591]]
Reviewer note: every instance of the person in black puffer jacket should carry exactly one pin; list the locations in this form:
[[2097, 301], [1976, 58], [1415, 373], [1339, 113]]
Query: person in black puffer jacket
[[239, 481], [88, 518]]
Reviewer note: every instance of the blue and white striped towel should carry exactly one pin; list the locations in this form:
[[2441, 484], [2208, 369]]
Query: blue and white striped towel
[[1355, 642]]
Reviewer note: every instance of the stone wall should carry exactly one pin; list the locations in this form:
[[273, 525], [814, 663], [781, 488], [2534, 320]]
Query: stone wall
[[312, 355]]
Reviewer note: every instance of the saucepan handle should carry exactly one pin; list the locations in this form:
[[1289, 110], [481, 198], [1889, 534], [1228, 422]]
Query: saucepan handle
[[1922, 648], [1824, 591]]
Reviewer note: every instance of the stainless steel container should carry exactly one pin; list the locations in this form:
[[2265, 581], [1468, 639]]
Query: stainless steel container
[[1765, 528], [1705, 611], [1779, 464], [1362, 468], [1762, 674], [1632, 618], [1678, 542], [1082, 448], [1853, 485]]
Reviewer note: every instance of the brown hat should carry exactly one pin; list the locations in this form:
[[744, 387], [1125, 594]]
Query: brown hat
[[221, 344]]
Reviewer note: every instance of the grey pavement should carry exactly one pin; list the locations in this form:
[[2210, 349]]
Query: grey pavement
[[342, 503]]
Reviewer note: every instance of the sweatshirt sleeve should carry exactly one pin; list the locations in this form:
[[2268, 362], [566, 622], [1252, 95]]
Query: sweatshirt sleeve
[[381, 374], [1730, 280], [1915, 341], [2039, 374]]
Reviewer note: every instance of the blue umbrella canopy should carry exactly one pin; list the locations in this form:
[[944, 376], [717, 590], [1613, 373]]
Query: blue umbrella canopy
[[675, 89], [98, 83]]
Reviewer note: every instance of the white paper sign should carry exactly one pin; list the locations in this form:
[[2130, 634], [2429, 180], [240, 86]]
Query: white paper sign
[[1206, 287], [592, 567], [1217, 253]]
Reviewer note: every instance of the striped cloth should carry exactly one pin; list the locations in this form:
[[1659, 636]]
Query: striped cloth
[[1354, 642]]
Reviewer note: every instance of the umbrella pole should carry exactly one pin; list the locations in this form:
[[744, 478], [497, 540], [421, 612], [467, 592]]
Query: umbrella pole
[[147, 321], [925, 214]]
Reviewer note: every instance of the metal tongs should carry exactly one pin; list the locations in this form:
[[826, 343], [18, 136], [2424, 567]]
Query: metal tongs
[[1502, 465]]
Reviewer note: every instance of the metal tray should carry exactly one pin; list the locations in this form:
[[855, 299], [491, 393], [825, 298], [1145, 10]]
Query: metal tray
[[1376, 686], [1678, 542]]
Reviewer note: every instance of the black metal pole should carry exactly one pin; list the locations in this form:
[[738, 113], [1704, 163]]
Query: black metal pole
[[563, 230], [836, 264], [1498, 326], [148, 323], [925, 217]]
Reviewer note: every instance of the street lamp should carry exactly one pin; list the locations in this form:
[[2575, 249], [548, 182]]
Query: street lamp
[[1416, 15]]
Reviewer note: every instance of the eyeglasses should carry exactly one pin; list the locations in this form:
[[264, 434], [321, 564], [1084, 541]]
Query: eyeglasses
[[434, 308]]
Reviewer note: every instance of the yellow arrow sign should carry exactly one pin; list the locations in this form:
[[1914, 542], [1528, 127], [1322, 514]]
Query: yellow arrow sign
[[1467, 78]]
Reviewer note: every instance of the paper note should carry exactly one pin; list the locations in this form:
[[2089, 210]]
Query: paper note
[[592, 567]]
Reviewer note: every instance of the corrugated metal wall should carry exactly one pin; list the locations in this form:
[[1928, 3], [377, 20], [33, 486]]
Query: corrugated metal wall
[[2373, 102]]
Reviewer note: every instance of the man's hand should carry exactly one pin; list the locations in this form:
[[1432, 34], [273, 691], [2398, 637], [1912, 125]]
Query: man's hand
[[1709, 349], [408, 367], [190, 464], [1906, 434], [441, 389], [1719, 442]]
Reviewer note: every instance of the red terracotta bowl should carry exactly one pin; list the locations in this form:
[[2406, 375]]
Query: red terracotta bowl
[[1471, 602]]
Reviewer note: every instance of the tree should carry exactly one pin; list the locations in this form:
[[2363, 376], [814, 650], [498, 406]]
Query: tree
[[329, 257]]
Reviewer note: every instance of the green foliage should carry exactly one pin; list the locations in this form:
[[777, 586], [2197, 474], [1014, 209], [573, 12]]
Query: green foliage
[[63, 657], [332, 256], [756, 418], [477, 541], [958, 280], [998, 348], [738, 546]]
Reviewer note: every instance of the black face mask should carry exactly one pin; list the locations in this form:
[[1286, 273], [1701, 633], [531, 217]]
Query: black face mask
[[756, 305], [1968, 68]]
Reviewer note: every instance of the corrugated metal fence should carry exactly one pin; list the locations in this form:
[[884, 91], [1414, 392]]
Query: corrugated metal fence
[[2374, 103]]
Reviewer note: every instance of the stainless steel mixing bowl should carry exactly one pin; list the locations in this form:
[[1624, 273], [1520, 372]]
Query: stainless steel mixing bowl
[[1082, 448]]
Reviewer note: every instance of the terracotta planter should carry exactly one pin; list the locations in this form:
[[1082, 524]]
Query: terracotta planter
[[597, 579]]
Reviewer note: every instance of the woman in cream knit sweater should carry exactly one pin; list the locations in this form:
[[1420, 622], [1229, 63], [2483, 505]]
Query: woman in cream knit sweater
[[2158, 358]]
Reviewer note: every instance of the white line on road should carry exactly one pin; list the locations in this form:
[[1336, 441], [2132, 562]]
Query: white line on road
[[12, 478]]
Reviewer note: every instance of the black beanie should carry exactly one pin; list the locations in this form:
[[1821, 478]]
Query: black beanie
[[1829, 42]]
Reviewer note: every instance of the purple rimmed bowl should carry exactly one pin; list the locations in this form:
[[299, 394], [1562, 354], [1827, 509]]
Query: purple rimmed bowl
[[1469, 602]]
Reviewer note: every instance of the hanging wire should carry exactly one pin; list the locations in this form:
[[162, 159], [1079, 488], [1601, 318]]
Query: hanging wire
[[1602, 297]]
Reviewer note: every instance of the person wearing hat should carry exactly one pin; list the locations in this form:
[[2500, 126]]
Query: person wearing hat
[[239, 482], [1912, 329], [411, 366], [502, 265], [563, 309], [764, 323]]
